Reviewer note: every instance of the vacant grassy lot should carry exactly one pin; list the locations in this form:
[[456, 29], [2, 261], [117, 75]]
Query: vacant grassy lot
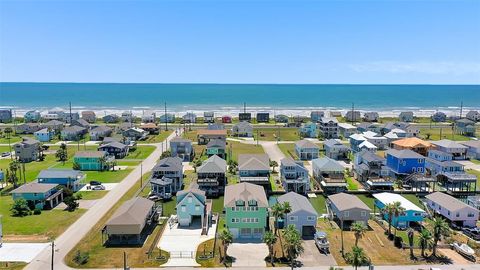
[[273, 134], [39, 228], [242, 148], [438, 133], [142, 152], [376, 245], [158, 138], [92, 195], [319, 204], [288, 149]]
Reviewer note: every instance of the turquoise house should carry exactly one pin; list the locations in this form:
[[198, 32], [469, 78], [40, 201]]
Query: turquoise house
[[72, 179], [308, 130], [93, 160], [192, 206], [44, 135], [412, 213], [41, 196]]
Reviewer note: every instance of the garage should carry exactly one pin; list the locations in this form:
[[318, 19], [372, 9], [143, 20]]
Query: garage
[[308, 232]]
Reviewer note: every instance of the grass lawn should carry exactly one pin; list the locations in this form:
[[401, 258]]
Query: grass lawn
[[110, 257], [477, 173], [272, 134], [104, 177], [189, 178], [319, 204], [142, 152], [191, 135], [217, 205], [12, 265], [446, 133], [352, 184], [367, 199], [288, 149], [158, 138], [241, 148], [13, 139], [476, 161], [41, 228], [92, 195]]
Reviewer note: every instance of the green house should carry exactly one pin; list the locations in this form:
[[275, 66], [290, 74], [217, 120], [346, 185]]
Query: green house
[[216, 147], [38, 195], [93, 160], [246, 210]]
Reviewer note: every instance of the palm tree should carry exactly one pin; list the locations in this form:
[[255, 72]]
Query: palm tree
[[277, 213], [14, 166], [425, 240], [232, 166], [273, 164], [410, 234], [293, 243], [227, 238], [287, 208], [440, 228], [196, 163], [357, 257], [389, 211], [270, 239], [359, 230], [398, 210]]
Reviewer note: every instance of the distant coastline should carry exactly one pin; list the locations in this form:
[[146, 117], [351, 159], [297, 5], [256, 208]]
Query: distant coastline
[[288, 99]]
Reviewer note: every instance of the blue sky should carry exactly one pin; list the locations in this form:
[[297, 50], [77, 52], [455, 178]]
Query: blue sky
[[377, 42]]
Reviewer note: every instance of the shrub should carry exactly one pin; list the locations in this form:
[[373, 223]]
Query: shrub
[[20, 208], [398, 242], [37, 211], [81, 258]]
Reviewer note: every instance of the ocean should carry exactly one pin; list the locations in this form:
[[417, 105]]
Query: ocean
[[229, 98]]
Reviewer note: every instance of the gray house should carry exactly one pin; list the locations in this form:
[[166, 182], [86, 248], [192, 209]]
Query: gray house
[[243, 129], [135, 134], [335, 149], [473, 116], [111, 118], [370, 169], [294, 176], [128, 224], [281, 118], [353, 116], [27, 128], [117, 149], [254, 168], [452, 209], [81, 123], [182, 148], [212, 176], [328, 127], [208, 117], [306, 150], [5, 116], [371, 116], [316, 116], [99, 133], [346, 209], [89, 116], [473, 150], [171, 168], [406, 117], [329, 173], [439, 117], [303, 215], [73, 133], [465, 127], [55, 125], [27, 150]]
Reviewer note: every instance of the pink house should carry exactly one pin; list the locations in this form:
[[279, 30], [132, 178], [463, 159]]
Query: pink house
[[453, 209]]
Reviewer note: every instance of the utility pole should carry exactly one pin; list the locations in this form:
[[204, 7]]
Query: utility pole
[[257, 137], [141, 175], [461, 109], [70, 113], [353, 114], [125, 261], [53, 253], [166, 117]]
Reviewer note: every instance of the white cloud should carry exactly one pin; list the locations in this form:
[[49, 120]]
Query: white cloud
[[434, 68]]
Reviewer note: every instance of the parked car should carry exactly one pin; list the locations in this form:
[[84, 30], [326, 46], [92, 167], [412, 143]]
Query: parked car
[[6, 154], [98, 187], [473, 233], [154, 198], [95, 183], [321, 242]]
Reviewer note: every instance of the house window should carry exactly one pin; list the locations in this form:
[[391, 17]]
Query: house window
[[457, 214], [311, 218], [293, 218], [448, 213], [414, 169], [233, 220], [470, 215], [189, 199], [346, 213], [197, 208], [184, 209], [420, 160], [363, 213]]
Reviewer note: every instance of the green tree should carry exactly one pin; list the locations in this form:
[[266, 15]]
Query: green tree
[[20, 208], [440, 229], [270, 239], [389, 210], [359, 229], [41, 155], [232, 166], [425, 240], [273, 164], [277, 213], [62, 154], [398, 210], [196, 163], [72, 202], [227, 238], [293, 243], [287, 208], [166, 154], [14, 166], [357, 257]]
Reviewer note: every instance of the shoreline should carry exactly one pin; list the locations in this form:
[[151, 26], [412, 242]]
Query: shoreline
[[219, 111]]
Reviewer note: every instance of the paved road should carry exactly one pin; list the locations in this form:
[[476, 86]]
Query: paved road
[[273, 152], [75, 233]]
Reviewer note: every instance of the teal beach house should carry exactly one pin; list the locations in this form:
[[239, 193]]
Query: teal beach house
[[193, 209], [411, 212], [40, 196], [93, 160], [246, 210]]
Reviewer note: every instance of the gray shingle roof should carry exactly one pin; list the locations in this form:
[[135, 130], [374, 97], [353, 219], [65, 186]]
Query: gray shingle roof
[[245, 192], [214, 164], [326, 164], [253, 162], [132, 212], [90, 154], [306, 144], [449, 144], [59, 173], [114, 144], [344, 201], [448, 202], [217, 143], [297, 202], [180, 139], [34, 187], [169, 164]]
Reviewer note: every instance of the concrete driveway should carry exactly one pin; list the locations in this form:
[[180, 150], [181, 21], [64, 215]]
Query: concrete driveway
[[21, 252], [313, 257], [248, 254], [182, 243]]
